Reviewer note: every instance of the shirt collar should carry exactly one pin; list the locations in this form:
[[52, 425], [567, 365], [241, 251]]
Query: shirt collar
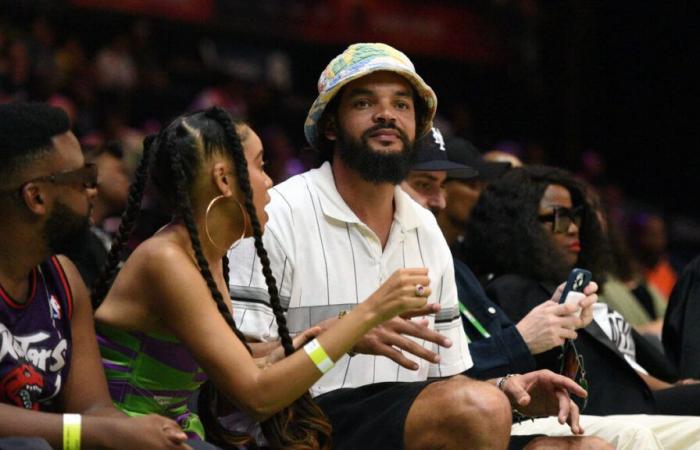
[[333, 205]]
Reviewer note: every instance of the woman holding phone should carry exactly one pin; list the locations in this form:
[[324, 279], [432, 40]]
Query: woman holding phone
[[528, 231]]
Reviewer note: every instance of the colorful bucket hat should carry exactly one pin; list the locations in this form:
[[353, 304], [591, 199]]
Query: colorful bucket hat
[[357, 61]]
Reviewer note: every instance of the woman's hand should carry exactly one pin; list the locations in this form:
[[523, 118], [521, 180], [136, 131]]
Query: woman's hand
[[586, 303], [404, 291], [150, 431]]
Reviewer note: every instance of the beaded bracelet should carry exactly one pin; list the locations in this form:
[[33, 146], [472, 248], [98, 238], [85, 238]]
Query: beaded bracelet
[[319, 356], [71, 431]]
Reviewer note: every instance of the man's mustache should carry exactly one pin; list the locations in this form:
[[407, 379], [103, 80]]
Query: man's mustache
[[385, 126]]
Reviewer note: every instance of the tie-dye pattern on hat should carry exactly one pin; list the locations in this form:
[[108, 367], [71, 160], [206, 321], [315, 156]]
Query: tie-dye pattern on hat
[[357, 61]]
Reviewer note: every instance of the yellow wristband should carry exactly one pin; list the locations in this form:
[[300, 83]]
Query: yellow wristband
[[319, 356], [71, 431]]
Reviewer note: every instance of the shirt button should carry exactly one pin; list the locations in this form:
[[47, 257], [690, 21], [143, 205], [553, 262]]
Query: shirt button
[[492, 310]]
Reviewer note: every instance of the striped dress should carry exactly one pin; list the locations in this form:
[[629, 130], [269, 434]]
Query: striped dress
[[151, 373]]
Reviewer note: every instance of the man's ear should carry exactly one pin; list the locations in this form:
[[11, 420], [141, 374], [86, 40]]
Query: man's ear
[[34, 198], [330, 128]]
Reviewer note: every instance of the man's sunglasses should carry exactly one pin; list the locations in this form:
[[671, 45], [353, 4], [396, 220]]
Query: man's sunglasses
[[572, 367], [561, 218], [85, 176]]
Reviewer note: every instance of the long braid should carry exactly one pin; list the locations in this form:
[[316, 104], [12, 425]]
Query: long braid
[[185, 209], [133, 207], [302, 425], [209, 395], [244, 183]]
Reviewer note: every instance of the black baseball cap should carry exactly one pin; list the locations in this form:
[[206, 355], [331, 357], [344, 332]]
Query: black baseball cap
[[432, 154], [464, 152]]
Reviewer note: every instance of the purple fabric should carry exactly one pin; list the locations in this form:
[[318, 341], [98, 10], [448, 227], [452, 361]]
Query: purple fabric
[[35, 342]]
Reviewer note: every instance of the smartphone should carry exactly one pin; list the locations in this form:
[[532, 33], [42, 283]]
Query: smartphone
[[573, 290]]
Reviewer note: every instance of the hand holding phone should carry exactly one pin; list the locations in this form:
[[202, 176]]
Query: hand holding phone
[[575, 284]]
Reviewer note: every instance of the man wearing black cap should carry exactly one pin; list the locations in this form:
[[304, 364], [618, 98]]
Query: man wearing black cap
[[425, 183]]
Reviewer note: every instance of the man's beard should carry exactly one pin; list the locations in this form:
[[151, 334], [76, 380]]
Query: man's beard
[[65, 230], [376, 166]]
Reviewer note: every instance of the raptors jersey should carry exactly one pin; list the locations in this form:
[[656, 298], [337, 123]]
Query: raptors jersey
[[35, 339]]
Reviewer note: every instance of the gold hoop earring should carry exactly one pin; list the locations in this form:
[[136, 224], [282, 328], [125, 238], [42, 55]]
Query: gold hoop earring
[[206, 224]]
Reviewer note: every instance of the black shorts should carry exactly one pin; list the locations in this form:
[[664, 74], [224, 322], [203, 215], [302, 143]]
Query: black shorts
[[371, 416], [374, 416]]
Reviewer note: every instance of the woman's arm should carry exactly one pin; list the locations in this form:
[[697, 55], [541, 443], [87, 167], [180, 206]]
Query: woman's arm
[[180, 296]]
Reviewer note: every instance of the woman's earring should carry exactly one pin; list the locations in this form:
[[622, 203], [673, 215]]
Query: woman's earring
[[206, 224]]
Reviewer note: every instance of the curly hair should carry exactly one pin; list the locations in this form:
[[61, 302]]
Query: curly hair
[[505, 236], [172, 159]]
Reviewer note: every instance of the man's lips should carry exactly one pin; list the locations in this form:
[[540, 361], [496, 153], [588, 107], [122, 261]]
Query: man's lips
[[575, 246], [385, 134]]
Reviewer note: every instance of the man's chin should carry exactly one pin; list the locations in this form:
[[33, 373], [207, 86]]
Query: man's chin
[[386, 148]]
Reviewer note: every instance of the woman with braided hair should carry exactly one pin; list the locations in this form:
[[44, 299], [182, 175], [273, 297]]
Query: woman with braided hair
[[160, 333]]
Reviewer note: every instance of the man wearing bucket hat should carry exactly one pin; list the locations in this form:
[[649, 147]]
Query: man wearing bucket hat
[[337, 232]]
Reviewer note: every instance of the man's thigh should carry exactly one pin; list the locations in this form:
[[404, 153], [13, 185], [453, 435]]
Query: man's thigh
[[625, 432], [370, 417]]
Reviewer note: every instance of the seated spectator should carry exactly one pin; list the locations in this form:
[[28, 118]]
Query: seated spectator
[[165, 324], [648, 238], [498, 347], [542, 216], [463, 193], [680, 335], [337, 231], [626, 289], [112, 193], [49, 364]]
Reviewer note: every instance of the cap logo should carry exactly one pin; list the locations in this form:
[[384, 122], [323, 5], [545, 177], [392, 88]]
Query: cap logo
[[438, 139]]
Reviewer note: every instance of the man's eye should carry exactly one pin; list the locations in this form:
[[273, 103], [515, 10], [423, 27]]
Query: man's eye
[[422, 186], [361, 104], [403, 105]]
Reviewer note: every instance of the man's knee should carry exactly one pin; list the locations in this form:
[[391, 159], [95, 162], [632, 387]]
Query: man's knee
[[482, 404], [462, 410]]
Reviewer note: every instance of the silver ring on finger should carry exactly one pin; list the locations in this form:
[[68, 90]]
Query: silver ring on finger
[[420, 290]]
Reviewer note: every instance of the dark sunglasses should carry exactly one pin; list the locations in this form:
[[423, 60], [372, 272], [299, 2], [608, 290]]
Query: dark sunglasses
[[572, 367], [561, 218], [85, 176]]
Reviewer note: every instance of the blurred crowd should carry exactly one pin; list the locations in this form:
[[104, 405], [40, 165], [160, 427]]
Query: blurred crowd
[[128, 86]]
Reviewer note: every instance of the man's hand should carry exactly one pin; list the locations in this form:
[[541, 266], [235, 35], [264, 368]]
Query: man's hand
[[544, 393], [276, 351], [550, 323], [391, 338]]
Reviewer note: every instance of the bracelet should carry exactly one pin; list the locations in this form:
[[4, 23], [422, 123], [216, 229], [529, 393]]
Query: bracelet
[[501, 381], [71, 431], [319, 356], [520, 417], [342, 314]]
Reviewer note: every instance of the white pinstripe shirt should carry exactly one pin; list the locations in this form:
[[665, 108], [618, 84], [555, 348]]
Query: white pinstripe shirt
[[326, 260]]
